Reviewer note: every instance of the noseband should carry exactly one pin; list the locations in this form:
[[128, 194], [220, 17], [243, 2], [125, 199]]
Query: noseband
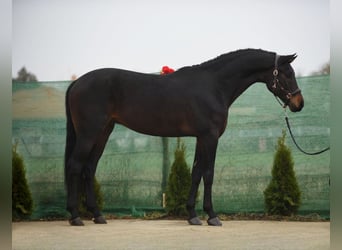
[[277, 84]]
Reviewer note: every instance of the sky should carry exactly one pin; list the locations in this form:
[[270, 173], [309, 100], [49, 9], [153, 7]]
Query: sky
[[57, 39]]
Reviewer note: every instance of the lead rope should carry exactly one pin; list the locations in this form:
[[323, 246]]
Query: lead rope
[[294, 141]]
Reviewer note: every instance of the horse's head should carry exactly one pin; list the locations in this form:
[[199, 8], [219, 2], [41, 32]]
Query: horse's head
[[284, 84]]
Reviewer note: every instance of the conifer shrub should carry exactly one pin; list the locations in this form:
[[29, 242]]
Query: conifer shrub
[[179, 183], [22, 202], [282, 195], [84, 213]]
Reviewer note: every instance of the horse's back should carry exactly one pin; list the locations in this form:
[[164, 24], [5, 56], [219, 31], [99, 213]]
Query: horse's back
[[111, 76], [101, 84]]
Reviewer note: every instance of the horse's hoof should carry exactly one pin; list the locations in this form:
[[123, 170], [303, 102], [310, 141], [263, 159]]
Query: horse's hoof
[[214, 222], [76, 222], [100, 220], [195, 221]]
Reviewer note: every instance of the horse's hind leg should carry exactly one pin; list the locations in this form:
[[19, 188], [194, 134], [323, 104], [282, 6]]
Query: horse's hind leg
[[196, 179], [89, 172], [74, 170]]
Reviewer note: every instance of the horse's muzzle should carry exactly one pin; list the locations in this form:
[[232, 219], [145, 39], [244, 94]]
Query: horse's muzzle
[[296, 102]]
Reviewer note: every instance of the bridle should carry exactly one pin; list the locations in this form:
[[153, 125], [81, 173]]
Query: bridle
[[289, 94], [277, 85]]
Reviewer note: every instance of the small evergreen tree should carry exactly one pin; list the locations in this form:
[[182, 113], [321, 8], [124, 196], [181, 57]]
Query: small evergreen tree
[[99, 199], [25, 76], [179, 183], [282, 195], [22, 203]]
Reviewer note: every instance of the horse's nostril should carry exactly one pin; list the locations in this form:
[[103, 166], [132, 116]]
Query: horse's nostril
[[301, 103]]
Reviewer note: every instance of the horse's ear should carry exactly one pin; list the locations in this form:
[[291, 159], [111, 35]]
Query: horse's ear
[[287, 59], [292, 57]]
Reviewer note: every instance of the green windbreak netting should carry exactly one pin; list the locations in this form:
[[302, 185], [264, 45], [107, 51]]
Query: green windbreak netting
[[130, 170]]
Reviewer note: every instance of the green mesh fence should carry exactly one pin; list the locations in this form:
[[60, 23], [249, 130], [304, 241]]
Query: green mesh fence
[[130, 170]]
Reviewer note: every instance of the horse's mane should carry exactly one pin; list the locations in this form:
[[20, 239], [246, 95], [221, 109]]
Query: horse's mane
[[230, 56]]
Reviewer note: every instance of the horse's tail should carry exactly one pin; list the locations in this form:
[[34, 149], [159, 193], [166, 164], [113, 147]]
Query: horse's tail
[[70, 133]]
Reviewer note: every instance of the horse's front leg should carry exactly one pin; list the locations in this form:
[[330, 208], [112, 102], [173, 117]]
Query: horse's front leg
[[204, 166], [208, 179]]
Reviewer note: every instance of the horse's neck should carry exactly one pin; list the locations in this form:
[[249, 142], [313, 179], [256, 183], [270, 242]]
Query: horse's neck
[[237, 79], [235, 87]]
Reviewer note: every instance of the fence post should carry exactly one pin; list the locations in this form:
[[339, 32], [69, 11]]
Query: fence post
[[166, 163]]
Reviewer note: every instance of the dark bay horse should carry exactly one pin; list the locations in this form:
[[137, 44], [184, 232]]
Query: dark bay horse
[[192, 101]]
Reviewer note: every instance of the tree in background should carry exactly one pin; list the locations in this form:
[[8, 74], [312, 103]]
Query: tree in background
[[25, 76], [324, 70], [166, 163], [22, 203], [282, 195], [179, 183]]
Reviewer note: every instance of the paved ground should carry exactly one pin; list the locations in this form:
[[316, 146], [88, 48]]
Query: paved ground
[[171, 234]]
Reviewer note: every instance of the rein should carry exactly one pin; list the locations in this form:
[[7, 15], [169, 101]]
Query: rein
[[284, 105], [294, 141]]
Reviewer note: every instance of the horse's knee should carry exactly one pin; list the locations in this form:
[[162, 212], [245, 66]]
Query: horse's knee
[[73, 170], [89, 172], [208, 178], [196, 181]]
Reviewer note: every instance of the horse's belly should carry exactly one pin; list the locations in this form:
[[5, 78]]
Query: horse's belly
[[157, 124]]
